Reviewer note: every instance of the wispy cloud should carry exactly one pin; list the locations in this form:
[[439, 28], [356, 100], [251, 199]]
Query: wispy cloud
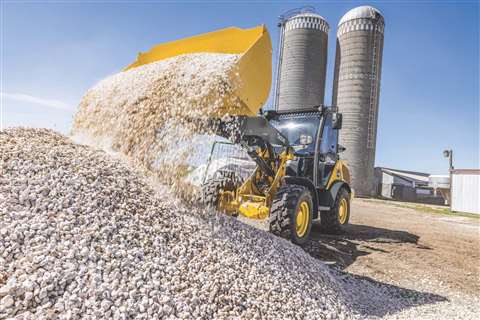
[[49, 103]]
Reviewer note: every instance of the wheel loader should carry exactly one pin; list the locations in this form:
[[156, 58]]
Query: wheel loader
[[286, 166], [298, 176]]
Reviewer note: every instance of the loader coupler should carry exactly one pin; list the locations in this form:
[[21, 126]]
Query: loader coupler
[[251, 74], [254, 210]]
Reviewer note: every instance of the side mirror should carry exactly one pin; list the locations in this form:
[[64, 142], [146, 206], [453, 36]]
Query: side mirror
[[337, 121], [269, 114]]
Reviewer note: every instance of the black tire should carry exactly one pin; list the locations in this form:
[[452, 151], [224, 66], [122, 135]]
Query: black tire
[[221, 181], [330, 221], [284, 211]]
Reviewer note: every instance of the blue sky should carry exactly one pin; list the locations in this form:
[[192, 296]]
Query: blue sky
[[52, 52]]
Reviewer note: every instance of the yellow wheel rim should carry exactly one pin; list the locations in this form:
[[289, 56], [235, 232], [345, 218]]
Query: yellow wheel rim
[[343, 211], [303, 217]]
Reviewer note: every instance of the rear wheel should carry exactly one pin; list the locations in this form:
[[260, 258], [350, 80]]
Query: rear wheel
[[291, 213], [333, 220]]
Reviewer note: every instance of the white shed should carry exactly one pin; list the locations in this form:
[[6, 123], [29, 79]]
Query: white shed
[[465, 190]]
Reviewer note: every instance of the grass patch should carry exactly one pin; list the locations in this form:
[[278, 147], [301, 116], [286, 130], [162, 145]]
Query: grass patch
[[428, 209]]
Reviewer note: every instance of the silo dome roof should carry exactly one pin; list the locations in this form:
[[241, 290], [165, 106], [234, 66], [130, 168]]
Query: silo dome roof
[[363, 12], [307, 14]]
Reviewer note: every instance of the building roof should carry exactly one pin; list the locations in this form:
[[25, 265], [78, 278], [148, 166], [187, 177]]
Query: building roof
[[308, 14], [417, 177], [362, 12], [466, 171]]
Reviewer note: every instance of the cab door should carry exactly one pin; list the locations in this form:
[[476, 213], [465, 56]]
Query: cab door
[[327, 151]]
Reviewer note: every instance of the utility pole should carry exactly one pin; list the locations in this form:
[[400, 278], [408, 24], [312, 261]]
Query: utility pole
[[449, 154]]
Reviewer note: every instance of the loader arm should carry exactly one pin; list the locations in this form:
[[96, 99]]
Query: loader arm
[[269, 149]]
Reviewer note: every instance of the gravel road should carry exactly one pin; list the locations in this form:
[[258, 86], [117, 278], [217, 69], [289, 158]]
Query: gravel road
[[434, 255], [422, 245], [426, 263]]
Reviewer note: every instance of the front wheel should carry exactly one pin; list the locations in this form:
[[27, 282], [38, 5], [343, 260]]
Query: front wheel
[[335, 219], [291, 213], [213, 189]]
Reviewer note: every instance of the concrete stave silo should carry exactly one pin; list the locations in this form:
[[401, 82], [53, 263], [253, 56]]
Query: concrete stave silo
[[302, 62], [356, 90]]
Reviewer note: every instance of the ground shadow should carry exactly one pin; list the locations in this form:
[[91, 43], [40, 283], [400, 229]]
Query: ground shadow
[[368, 297], [357, 240]]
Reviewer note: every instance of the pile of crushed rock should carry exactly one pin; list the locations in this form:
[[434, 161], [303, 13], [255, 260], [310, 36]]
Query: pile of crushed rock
[[85, 236]]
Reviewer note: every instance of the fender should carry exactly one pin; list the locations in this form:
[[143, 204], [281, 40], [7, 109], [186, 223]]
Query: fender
[[327, 197], [306, 183]]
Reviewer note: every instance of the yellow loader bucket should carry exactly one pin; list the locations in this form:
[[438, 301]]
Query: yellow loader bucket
[[254, 67]]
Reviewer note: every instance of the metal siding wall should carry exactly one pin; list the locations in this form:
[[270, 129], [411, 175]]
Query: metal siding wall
[[356, 93], [304, 63], [386, 178], [387, 190], [465, 193]]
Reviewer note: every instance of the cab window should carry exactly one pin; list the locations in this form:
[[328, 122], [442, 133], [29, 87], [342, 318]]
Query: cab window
[[301, 131]]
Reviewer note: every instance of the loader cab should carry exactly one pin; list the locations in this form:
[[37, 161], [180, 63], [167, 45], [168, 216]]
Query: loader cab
[[314, 139]]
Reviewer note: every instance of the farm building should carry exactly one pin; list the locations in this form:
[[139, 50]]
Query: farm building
[[405, 185], [465, 190]]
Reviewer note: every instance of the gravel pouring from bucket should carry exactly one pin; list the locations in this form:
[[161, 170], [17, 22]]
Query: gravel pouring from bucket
[[151, 111], [252, 72]]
